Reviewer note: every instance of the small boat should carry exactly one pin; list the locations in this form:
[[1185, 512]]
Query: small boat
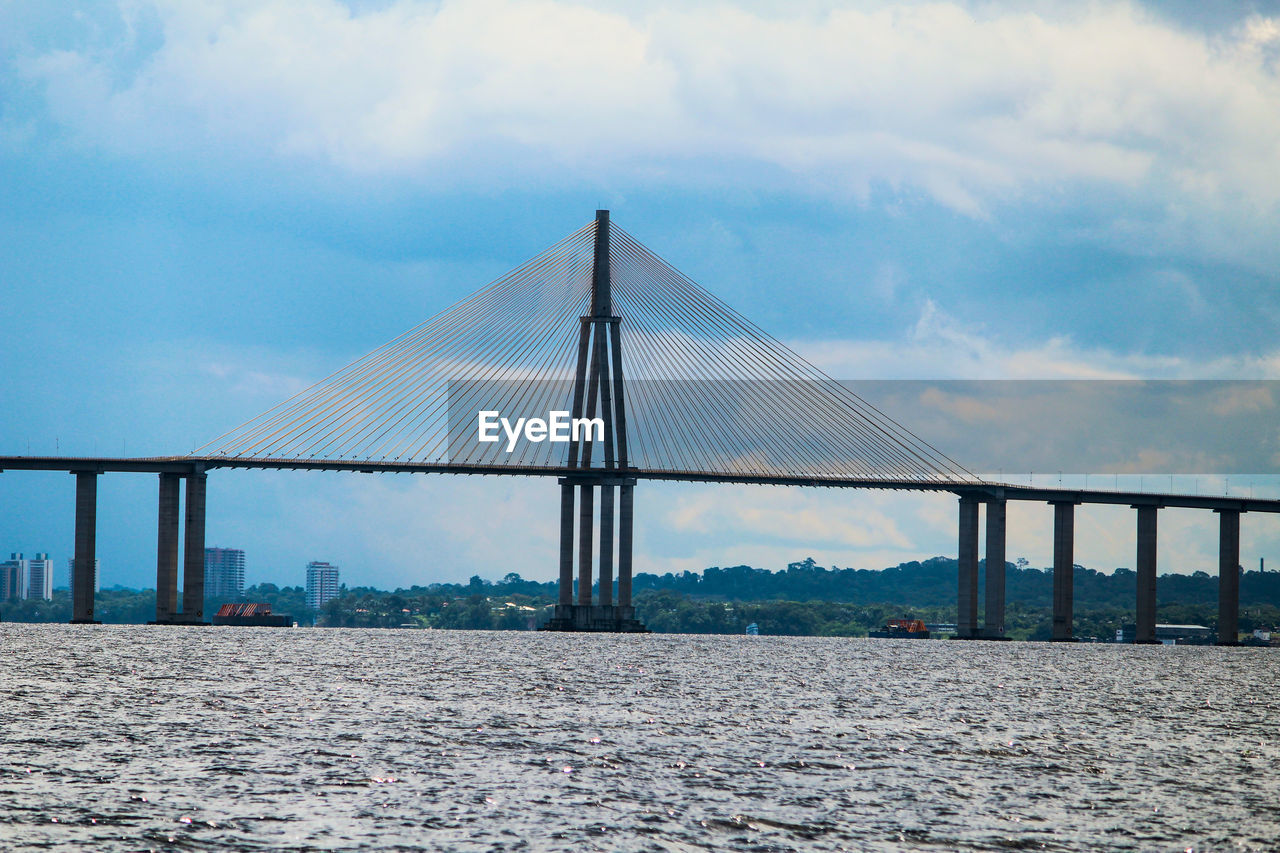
[[902, 629]]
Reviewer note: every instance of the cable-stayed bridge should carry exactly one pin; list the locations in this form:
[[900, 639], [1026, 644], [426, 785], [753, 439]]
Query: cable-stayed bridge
[[692, 388], [599, 364]]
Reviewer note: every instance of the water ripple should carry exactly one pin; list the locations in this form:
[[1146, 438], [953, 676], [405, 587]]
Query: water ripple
[[133, 738]]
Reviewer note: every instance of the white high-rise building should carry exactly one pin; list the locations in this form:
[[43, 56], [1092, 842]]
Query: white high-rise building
[[322, 583], [223, 572], [13, 578], [40, 577]]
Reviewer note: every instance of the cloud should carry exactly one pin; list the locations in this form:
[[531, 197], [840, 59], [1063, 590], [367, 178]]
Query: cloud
[[938, 346], [241, 379], [1165, 137], [797, 516], [968, 105], [967, 410], [683, 527], [1236, 401], [388, 530]]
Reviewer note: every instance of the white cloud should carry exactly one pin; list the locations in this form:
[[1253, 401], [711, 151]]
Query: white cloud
[[794, 515], [939, 346], [390, 530], [970, 105], [972, 108], [387, 530], [243, 379]]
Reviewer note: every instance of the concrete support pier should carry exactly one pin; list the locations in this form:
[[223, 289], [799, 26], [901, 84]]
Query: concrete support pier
[[1228, 577], [1064, 535], [566, 544], [1146, 604], [167, 537], [84, 568], [586, 539], [193, 558], [626, 514], [967, 593], [598, 381], [601, 615], [993, 612], [606, 546]]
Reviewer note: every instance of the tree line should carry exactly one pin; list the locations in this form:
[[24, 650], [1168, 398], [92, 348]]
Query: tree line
[[803, 599]]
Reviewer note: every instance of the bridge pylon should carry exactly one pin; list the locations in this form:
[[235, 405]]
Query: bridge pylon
[[598, 391]]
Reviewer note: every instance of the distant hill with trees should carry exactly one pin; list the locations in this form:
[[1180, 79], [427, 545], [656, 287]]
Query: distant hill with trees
[[932, 583]]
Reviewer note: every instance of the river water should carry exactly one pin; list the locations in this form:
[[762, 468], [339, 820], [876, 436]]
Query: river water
[[135, 738]]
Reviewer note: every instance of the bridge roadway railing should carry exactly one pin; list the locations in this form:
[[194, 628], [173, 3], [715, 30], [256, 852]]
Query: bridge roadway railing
[[973, 495]]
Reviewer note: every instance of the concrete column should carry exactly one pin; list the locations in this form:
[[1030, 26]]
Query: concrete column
[[601, 279], [993, 627], [1146, 605], [625, 515], [193, 563], [167, 550], [1228, 576], [1064, 532], [586, 519], [84, 568], [566, 543], [967, 593], [606, 545]]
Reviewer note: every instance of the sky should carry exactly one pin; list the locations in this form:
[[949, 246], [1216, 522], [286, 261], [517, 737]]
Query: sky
[[207, 206]]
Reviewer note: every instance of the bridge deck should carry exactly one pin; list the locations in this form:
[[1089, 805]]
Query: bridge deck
[[975, 488]]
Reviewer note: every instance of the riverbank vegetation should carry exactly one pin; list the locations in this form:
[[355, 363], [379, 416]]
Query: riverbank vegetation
[[803, 599]]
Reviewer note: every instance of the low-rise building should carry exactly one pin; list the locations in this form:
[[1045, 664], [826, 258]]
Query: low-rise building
[[1171, 635]]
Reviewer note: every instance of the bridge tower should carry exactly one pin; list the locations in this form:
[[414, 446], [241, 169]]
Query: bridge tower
[[598, 391]]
